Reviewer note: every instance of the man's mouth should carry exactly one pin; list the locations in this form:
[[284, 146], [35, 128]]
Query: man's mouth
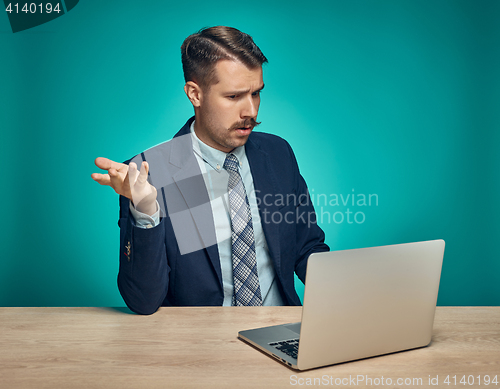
[[245, 127], [244, 130]]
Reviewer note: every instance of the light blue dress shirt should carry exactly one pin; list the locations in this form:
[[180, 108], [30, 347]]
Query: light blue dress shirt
[[211, 162]]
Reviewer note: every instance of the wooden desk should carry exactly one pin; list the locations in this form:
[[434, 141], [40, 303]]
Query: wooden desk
[[198, 347]]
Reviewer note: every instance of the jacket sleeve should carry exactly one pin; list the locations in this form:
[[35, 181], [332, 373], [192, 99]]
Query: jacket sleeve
[[310, 238], [143, 273]]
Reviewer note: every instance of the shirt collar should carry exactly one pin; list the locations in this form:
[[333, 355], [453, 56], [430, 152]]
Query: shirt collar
[[215, 158]]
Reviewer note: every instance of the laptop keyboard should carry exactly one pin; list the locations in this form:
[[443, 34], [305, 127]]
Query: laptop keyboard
[[289, 347]]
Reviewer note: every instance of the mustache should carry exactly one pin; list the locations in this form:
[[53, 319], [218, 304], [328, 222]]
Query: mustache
[[245, 123]]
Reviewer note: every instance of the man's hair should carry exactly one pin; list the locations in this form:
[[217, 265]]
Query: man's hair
[[201, 52]]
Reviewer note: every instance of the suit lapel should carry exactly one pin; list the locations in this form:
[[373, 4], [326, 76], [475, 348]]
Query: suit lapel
[[191, 185]]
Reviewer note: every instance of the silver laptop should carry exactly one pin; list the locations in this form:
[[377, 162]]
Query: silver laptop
[[358, 304]]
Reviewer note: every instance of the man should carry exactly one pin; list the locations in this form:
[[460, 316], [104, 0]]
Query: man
[[219, 215]]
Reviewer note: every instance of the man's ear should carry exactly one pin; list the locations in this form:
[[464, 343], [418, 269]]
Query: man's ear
[[194, 93]]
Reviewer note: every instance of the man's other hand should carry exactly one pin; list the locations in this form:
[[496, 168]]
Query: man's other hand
[[128, 182]]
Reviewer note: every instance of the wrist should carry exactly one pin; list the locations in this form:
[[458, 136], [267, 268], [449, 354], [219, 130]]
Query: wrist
[[146, 207]]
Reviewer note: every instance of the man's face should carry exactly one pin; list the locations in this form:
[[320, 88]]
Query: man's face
[[228, 110]]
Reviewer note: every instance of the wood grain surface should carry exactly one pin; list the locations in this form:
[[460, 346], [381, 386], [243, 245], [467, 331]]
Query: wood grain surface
[[198, 348]]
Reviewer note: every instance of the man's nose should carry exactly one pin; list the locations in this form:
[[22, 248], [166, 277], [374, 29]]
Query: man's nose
[[250, 108]]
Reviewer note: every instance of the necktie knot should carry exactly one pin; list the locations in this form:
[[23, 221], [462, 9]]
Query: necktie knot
[[231, 163]]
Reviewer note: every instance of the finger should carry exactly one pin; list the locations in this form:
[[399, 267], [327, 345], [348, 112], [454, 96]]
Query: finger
[[116, 180], [102, 179], [106, 164], [143, 175], [132, 173], [131, 177]]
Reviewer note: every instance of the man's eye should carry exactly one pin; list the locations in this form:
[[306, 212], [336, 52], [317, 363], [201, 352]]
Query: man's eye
[[232, 97], [256, 93]]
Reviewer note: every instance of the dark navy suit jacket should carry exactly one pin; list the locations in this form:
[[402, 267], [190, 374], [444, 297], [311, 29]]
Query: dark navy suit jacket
[[154, 273]]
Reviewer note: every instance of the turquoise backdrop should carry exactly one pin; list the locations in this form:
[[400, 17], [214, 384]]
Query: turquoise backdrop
[[394, 99]]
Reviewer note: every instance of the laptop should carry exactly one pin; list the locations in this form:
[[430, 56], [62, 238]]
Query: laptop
[[358, 304]]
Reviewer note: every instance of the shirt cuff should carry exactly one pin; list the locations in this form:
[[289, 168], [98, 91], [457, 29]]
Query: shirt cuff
[[145, 221]]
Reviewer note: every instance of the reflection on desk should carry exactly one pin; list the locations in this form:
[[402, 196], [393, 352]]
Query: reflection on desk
[[198, 347]]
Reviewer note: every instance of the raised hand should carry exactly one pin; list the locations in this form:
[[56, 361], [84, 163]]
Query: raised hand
[[127, 181]]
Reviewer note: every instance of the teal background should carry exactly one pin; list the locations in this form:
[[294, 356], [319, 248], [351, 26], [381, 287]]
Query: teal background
[[394, 98]]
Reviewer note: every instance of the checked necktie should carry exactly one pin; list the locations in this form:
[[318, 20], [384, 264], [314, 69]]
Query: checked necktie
[[245, 277]]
